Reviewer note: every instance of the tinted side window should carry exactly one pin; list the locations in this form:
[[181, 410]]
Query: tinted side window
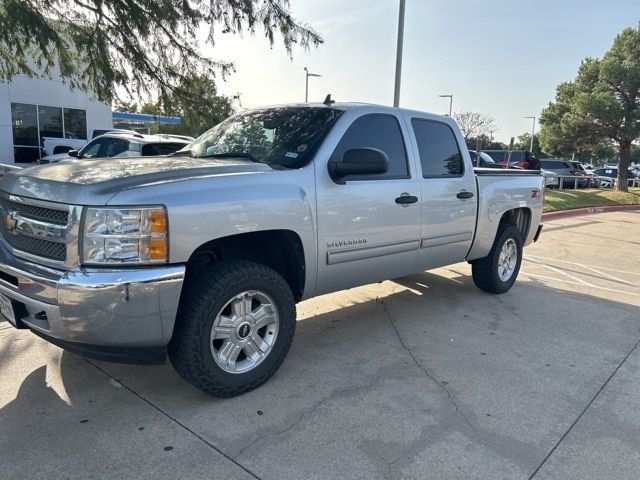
[[376, 131], [160, 148], [114, 147], [517, 156], [92, 149], [438, 149], [553, 165]]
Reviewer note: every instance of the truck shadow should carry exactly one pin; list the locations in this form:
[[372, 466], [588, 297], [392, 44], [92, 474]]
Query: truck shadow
[[427, 354]]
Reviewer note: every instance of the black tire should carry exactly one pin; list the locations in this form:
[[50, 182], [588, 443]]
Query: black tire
[[485, 270], [203, 297]]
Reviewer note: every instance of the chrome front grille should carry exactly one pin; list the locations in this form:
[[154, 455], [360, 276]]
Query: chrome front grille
[[41, 231], [36, 246], [57, 217]]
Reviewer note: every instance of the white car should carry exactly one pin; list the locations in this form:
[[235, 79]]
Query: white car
[[124, 144], [550, 179]]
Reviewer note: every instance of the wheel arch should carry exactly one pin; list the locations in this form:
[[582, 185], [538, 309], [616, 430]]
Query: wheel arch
[[281, 250], [488, 230], [520, 217]]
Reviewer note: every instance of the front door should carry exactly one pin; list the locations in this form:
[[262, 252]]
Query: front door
[[365, 234]]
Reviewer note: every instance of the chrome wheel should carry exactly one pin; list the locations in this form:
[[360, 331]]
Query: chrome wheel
[[244, 332], [507, 260]]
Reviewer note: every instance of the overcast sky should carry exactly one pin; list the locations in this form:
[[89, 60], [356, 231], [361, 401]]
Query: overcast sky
[[499, 57]]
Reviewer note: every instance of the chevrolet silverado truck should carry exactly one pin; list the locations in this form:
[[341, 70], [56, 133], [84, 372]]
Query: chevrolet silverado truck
[[203, 255]]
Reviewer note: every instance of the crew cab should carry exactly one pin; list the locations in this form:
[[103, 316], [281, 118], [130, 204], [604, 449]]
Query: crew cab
[[203, 255]]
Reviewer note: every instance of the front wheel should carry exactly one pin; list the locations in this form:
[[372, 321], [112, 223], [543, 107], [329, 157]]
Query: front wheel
[[234, 328], [497, 272]]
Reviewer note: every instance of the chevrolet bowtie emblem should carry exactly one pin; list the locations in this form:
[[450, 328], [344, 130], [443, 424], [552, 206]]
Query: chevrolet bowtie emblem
[[9, 222]]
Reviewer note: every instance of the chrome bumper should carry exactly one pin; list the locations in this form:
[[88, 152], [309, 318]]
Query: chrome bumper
[[133, 307]]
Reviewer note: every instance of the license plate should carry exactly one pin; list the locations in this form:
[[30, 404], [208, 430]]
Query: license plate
[[6, 308]]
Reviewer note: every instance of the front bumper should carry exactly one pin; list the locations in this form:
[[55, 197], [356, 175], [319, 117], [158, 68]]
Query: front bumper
[[109, 314]]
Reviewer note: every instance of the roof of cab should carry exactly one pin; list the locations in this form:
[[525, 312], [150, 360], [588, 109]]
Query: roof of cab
[[362, 106]]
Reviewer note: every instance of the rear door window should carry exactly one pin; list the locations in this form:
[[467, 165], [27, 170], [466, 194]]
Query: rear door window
[[553, 165], [438, 149], [152, 149]]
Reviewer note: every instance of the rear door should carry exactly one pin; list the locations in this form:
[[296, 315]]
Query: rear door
[[448, 189], [365, 234]]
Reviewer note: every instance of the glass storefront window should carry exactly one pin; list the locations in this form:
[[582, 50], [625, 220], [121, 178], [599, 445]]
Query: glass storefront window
[[24, 122], [50, 119], [26, 154], [31, 123], [75, 123]]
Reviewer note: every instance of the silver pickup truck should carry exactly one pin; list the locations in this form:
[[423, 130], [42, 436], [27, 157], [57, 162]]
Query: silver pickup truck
[[204, 254]]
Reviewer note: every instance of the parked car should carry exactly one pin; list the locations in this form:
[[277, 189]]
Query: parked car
[[564, 169], [56, 146], [485, 160], [124, 144], [519, 158], [550, 178], [591, 182], [204, 254], [606, 176]]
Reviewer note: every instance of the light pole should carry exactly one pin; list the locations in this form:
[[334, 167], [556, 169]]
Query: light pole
[[306, 83], [533, 131], [237, 97], [396, 90], [450, 97]]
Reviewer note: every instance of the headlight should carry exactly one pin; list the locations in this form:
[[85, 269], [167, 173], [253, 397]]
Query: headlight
[[125, 235]]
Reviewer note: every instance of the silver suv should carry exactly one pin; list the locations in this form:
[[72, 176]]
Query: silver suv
[[124, 144]]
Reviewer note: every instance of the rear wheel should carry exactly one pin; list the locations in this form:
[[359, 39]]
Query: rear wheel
[[234, 328], [497, 272]]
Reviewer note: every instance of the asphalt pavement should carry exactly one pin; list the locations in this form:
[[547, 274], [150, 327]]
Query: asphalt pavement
[[422, 377]]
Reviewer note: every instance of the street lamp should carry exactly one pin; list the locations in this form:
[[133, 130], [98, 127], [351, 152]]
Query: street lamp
[[533, 131], [306, 82], [396, 90], [450, 97], [237, 97]]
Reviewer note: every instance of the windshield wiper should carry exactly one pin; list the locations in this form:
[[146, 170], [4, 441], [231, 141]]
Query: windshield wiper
[[181, 153], [246, 155]]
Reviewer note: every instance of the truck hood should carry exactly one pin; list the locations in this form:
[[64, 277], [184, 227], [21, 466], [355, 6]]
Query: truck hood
[[94, 182]]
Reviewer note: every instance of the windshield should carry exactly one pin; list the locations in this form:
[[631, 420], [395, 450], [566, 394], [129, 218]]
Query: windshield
[[283, 136], [486, 158]]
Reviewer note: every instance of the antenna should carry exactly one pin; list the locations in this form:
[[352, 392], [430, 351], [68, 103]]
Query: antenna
[[328, 101]]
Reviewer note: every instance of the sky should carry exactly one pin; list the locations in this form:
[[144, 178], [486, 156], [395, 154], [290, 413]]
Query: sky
[[497, 57]]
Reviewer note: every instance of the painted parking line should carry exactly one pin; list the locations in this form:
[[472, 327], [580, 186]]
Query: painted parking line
[[574, 279], [590, 267]]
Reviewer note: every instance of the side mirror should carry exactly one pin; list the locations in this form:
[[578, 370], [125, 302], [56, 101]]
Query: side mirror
[[73, 153], [359, 161]]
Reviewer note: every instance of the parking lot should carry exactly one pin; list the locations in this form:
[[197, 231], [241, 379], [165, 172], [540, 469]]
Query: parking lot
[[422, 377]]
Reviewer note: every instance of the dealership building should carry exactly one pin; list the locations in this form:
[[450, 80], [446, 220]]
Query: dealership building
[[34, 108]]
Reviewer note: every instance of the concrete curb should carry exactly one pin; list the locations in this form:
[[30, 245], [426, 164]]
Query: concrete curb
[[587, 211]]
